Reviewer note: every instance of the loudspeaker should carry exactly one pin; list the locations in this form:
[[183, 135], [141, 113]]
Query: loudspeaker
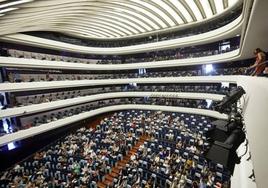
[[219, 153], [223, 154], [220, 131]]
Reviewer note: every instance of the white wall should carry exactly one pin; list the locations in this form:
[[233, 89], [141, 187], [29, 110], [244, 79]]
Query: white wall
[[255, 113]]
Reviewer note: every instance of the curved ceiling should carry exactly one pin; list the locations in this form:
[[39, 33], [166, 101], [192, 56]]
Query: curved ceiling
[[105, 19]]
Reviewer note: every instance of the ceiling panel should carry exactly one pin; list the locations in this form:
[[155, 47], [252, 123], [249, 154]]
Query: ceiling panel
[[105, 18]]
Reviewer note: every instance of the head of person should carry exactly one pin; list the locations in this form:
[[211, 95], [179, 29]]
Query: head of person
[[257, 50]]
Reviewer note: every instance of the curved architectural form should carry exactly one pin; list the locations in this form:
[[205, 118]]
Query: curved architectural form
[[177, 110], [106, 19]]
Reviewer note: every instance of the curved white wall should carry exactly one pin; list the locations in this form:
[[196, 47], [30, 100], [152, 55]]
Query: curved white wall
[[255, 110]]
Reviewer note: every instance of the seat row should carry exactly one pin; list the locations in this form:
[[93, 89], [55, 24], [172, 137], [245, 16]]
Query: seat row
[[20, 75], [28, 99], [47, 117], [82, 158]]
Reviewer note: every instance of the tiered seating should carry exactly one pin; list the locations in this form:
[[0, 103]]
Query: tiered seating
[[42, 56], [28, 99], [54, 115], [80, 159], [14, 76], [17, 75], [173, 155], [171, 54]]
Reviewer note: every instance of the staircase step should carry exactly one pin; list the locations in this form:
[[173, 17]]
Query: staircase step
[[121, 164], [125, 161], [101, 185], [116, 170], [108, 183], [114, 175], [109, 178]]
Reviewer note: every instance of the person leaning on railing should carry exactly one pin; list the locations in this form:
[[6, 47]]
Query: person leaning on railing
[[260, 63]]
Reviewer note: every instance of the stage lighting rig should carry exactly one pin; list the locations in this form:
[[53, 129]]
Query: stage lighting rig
[[228, 102]]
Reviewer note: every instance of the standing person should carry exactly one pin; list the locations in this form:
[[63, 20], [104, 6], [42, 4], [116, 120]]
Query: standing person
[[259, 63]]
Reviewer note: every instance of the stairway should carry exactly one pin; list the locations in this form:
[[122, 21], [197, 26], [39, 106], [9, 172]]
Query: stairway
[[121, 164]]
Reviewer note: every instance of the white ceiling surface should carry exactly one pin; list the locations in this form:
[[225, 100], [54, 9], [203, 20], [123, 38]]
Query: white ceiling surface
[[224, 32], [106, 19]]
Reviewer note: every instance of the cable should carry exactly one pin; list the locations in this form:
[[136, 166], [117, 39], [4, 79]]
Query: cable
[[246, 144]]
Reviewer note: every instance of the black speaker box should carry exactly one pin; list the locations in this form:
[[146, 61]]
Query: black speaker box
[[220, 131]]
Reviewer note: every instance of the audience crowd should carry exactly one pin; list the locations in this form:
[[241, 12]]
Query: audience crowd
[[163, 55], [28, 99], [171, 156], [29, 121], [41, 118], [18, 75], [173, 54]]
